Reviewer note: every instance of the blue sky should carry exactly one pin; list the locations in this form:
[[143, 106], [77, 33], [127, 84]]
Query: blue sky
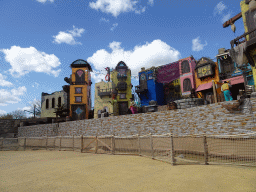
[[39, 39]]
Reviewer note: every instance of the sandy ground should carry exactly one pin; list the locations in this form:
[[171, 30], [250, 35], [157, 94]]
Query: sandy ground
[[74, 171]]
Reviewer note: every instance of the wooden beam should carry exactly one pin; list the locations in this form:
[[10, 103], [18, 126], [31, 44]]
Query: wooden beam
[[232, 20]]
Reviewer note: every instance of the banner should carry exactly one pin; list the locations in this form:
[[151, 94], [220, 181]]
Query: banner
[[168, 73]]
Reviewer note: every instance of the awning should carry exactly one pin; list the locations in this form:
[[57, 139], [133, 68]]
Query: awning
[[235, 80], [204, 86]]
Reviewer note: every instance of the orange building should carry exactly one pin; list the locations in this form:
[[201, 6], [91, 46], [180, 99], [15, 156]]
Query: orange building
[[79, 90], [206, 71]]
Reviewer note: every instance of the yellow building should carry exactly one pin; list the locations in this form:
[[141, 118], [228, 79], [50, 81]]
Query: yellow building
[[249, 25], [102, 98], [80, 90], [121, 78]]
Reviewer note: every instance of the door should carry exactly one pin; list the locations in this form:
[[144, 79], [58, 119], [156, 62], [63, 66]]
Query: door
[[78, 112], [123, 107]]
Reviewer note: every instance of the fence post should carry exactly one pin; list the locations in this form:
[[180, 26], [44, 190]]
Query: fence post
[[139, 144], [24, 143], [96, 147], [60, 143], [82, 143], [172, 152], [151, 146], [46, 142], [113, 144], [205, 151], [73, 143]]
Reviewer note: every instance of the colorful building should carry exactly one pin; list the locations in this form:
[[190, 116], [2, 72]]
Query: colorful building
[[149, 89], [249, 26], [206, 71], [102, 98], [229, 71], [187, 74], [121, 78], [248, 46], [79, 90], [169, 76]]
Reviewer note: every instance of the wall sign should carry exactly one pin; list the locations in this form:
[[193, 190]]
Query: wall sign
[[204, 71]]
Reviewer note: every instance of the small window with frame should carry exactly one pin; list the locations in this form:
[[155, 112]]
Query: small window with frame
[[122, 95], [78, 90], [78, 99]]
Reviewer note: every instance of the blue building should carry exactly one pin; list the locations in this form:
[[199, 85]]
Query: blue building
[[148, 88]]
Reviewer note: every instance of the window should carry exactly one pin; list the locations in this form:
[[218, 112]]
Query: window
[[122, 96], [185, 68], [78, 90], [187, 85], [53, 102], [80, 77], [78, 99], [59, 101], [47, 104]]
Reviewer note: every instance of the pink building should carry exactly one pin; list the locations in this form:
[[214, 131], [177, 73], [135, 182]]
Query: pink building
[[187, 74]]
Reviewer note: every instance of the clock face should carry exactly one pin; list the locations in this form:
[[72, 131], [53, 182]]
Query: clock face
[[204, 71], [121, 71]]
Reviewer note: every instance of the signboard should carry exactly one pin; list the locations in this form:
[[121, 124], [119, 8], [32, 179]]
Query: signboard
[[237, 72], [168, 73]]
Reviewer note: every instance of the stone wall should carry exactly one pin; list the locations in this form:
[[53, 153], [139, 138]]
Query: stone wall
[[9, 127], [209, 119]]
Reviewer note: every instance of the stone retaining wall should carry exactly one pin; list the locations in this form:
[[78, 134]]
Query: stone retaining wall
[[209, 119]]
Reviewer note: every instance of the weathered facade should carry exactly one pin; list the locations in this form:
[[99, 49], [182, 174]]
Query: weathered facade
[[49, 102], [102, 98]]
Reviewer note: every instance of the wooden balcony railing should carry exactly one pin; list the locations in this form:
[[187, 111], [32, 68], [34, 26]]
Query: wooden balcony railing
[[238, 41], [105, 92]]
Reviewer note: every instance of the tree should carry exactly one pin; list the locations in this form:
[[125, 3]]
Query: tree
[[6, 116], [18, 114], [35, 108]]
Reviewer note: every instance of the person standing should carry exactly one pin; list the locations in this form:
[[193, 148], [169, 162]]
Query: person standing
[[225, 89], [132, 107]]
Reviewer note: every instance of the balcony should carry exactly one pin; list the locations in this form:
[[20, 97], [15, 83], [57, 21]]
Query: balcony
[[224, 76], [242, 39], [140, 91], [105, 92]]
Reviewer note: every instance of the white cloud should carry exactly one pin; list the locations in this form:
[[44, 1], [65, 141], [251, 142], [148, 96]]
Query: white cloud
[[104, 19], [68, 37], [4, 82], [151, 54], [97, 76], [116, 7], [151, 2], [2, 112], [25, 60], [37, 84], [114, 26], [11, 96], [219, 8], [196, 44], [43, 1]]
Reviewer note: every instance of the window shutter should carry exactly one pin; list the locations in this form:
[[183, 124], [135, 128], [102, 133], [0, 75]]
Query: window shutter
[[187, 85], [185, 67]]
